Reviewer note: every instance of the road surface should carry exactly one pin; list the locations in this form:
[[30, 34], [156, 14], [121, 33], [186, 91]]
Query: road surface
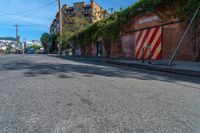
[[43, 94]]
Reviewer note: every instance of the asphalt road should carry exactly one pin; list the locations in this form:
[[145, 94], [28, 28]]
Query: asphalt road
[[42, 94]]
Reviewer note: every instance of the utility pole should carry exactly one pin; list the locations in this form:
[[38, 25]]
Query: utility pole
[[183, 37], [17, 37], [48, 45], [24, 45], [60, 27]]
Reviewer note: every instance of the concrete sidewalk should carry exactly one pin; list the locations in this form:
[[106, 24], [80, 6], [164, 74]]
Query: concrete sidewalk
[[178, 67]]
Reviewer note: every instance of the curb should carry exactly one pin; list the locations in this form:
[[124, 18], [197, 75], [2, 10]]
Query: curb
[[159, 68], [145, 66]]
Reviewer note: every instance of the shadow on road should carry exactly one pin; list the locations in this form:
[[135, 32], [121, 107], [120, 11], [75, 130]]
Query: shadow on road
[[90, 69]]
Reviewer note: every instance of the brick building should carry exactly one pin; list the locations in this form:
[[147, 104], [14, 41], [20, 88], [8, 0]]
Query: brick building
[[147, 36]]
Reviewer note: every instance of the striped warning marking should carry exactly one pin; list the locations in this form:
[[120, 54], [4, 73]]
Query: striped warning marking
[[152, 39]]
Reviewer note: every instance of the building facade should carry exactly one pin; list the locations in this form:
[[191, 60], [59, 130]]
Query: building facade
[[91, 12], [147, 36], [54, 28]]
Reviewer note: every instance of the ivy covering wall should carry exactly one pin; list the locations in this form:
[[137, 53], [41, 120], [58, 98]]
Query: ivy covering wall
[[110, 29]]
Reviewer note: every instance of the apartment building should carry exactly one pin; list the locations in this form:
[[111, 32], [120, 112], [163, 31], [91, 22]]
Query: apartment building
[[91, 12], [54, 28]]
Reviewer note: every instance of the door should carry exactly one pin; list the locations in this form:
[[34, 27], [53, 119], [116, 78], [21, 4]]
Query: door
[[149, 44], [99, 47]]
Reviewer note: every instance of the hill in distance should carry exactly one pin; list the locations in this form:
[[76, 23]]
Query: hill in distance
[[8, 38]]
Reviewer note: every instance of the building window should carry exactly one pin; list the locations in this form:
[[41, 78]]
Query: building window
[[79, 9], [87, 9], [65, 12]]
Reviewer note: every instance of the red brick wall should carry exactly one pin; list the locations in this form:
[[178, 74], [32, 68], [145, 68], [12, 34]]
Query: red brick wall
[[128, 44], [171, 36], [91, 50], [124, 49], [115, 51]]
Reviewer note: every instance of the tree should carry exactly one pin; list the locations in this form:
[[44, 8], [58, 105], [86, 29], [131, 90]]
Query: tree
[[8, 48], [72, 26], [54, 39], [45, 38], [36, 47]]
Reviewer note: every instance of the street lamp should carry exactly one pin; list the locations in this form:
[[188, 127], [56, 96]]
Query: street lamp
[[60, 28], [24, 45]]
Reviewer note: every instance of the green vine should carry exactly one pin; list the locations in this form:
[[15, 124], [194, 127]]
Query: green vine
[[110, 29]]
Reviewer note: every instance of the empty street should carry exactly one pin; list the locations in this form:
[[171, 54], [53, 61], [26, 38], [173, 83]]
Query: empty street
[[45, 94]]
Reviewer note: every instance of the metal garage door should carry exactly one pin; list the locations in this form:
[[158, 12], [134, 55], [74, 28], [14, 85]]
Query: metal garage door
[[149, 43]]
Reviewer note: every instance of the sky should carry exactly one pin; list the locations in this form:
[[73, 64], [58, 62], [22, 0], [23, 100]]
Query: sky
[[34, 17]]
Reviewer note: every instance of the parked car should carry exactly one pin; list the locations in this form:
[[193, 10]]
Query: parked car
[[31, 51]]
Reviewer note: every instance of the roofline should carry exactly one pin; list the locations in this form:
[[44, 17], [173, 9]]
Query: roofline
[[78, 2]]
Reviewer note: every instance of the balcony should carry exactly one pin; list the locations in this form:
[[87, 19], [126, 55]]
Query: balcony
[[87, 9], [72, 14], [87, 12]]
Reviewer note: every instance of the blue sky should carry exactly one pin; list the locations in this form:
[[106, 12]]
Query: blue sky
[[32, 23]]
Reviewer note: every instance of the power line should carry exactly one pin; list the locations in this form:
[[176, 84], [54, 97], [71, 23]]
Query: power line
[[29, 25], [26, 11], [44, 25], [33, 12], [5, 7], [17, 36]]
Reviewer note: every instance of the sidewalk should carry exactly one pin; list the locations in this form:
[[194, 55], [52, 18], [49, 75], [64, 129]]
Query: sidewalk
[[178, 67]]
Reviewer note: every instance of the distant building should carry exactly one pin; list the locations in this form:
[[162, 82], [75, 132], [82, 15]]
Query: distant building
[[54, 29], [2, 46], [28, 44], [8, 42], [36, 42], [91, 12]]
